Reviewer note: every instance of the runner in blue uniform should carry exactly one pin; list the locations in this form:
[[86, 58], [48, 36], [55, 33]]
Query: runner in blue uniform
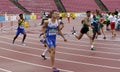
[[43, 40], [50, 28]]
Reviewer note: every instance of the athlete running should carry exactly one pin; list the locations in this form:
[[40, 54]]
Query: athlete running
[[50, 28], [20, 29], [85, 29]]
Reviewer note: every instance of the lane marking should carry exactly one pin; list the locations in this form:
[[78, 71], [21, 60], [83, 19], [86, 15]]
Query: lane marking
[[56, 59], [5, 70]]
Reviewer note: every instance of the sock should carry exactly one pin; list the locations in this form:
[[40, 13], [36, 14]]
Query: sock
[[92, 46], [45, 51], [74, 34]]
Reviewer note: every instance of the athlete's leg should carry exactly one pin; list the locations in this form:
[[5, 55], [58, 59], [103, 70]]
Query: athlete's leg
[[44, 53], [114, 33], [41, 34], [15, 38], [90, 37], [24, 36], [52, 55], [112, 24], [102, 29], [52, 44], [107, 25], [79, 36], [94, 35], [91, 40], [17, 34]]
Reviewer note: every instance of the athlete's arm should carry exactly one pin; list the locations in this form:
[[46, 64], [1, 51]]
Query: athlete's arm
[[19, 22], [60, 32], [87, 22], [44, 26], [62, 25]]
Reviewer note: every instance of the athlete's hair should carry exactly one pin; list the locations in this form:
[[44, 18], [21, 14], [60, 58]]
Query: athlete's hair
[[52, 13], [21, 16], [88, 11], [82, 21]]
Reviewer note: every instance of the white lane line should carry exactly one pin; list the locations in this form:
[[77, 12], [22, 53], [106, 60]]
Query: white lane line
[[5, 70], [70, 44], [73, 41], [104, 66], [58, 37], [78, 49], [78, 44], [61, 53], [29, 63], [57, 52]]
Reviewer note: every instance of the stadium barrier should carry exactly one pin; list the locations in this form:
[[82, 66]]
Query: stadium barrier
[[9, 21]]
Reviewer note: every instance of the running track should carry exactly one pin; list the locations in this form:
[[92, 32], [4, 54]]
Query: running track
[[71, 56]]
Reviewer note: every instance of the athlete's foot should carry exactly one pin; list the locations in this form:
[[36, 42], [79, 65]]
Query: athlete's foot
[[43, 56], [114, 35], [45, 45], [55, 69], [41, 35], [43, 41], [23, 44], [73, 32], [96, 37], [13, 42], [107, 29], [93, 49], [104, 37]]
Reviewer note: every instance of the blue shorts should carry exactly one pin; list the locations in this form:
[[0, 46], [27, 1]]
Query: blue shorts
[[22, 31], [51, 42]]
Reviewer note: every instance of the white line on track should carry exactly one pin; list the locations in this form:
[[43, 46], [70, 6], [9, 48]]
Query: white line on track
[[74, 61], [104, 66], [57, 52], [85, 45], [71, 48], [74, 41], [5, 70], [29, 63], [78, 49]]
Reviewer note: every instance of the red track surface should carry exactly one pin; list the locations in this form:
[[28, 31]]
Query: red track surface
[[72, 56]]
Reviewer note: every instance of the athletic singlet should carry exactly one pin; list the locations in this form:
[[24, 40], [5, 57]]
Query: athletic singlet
[[97, 17], [106, 18], [85, 25], [52, 28], [21, 24]]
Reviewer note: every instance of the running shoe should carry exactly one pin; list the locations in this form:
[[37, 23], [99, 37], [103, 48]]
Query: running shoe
[[43, 56]]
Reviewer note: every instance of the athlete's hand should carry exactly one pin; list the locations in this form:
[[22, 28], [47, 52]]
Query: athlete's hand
[[92, 26], [44, 36], [65, 40]]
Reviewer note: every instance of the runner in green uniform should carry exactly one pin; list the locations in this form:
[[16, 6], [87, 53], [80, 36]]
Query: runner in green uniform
[[85, 29]]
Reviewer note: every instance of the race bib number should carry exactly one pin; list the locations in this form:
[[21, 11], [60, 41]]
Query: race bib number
[[22, 26], [53, 31]]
